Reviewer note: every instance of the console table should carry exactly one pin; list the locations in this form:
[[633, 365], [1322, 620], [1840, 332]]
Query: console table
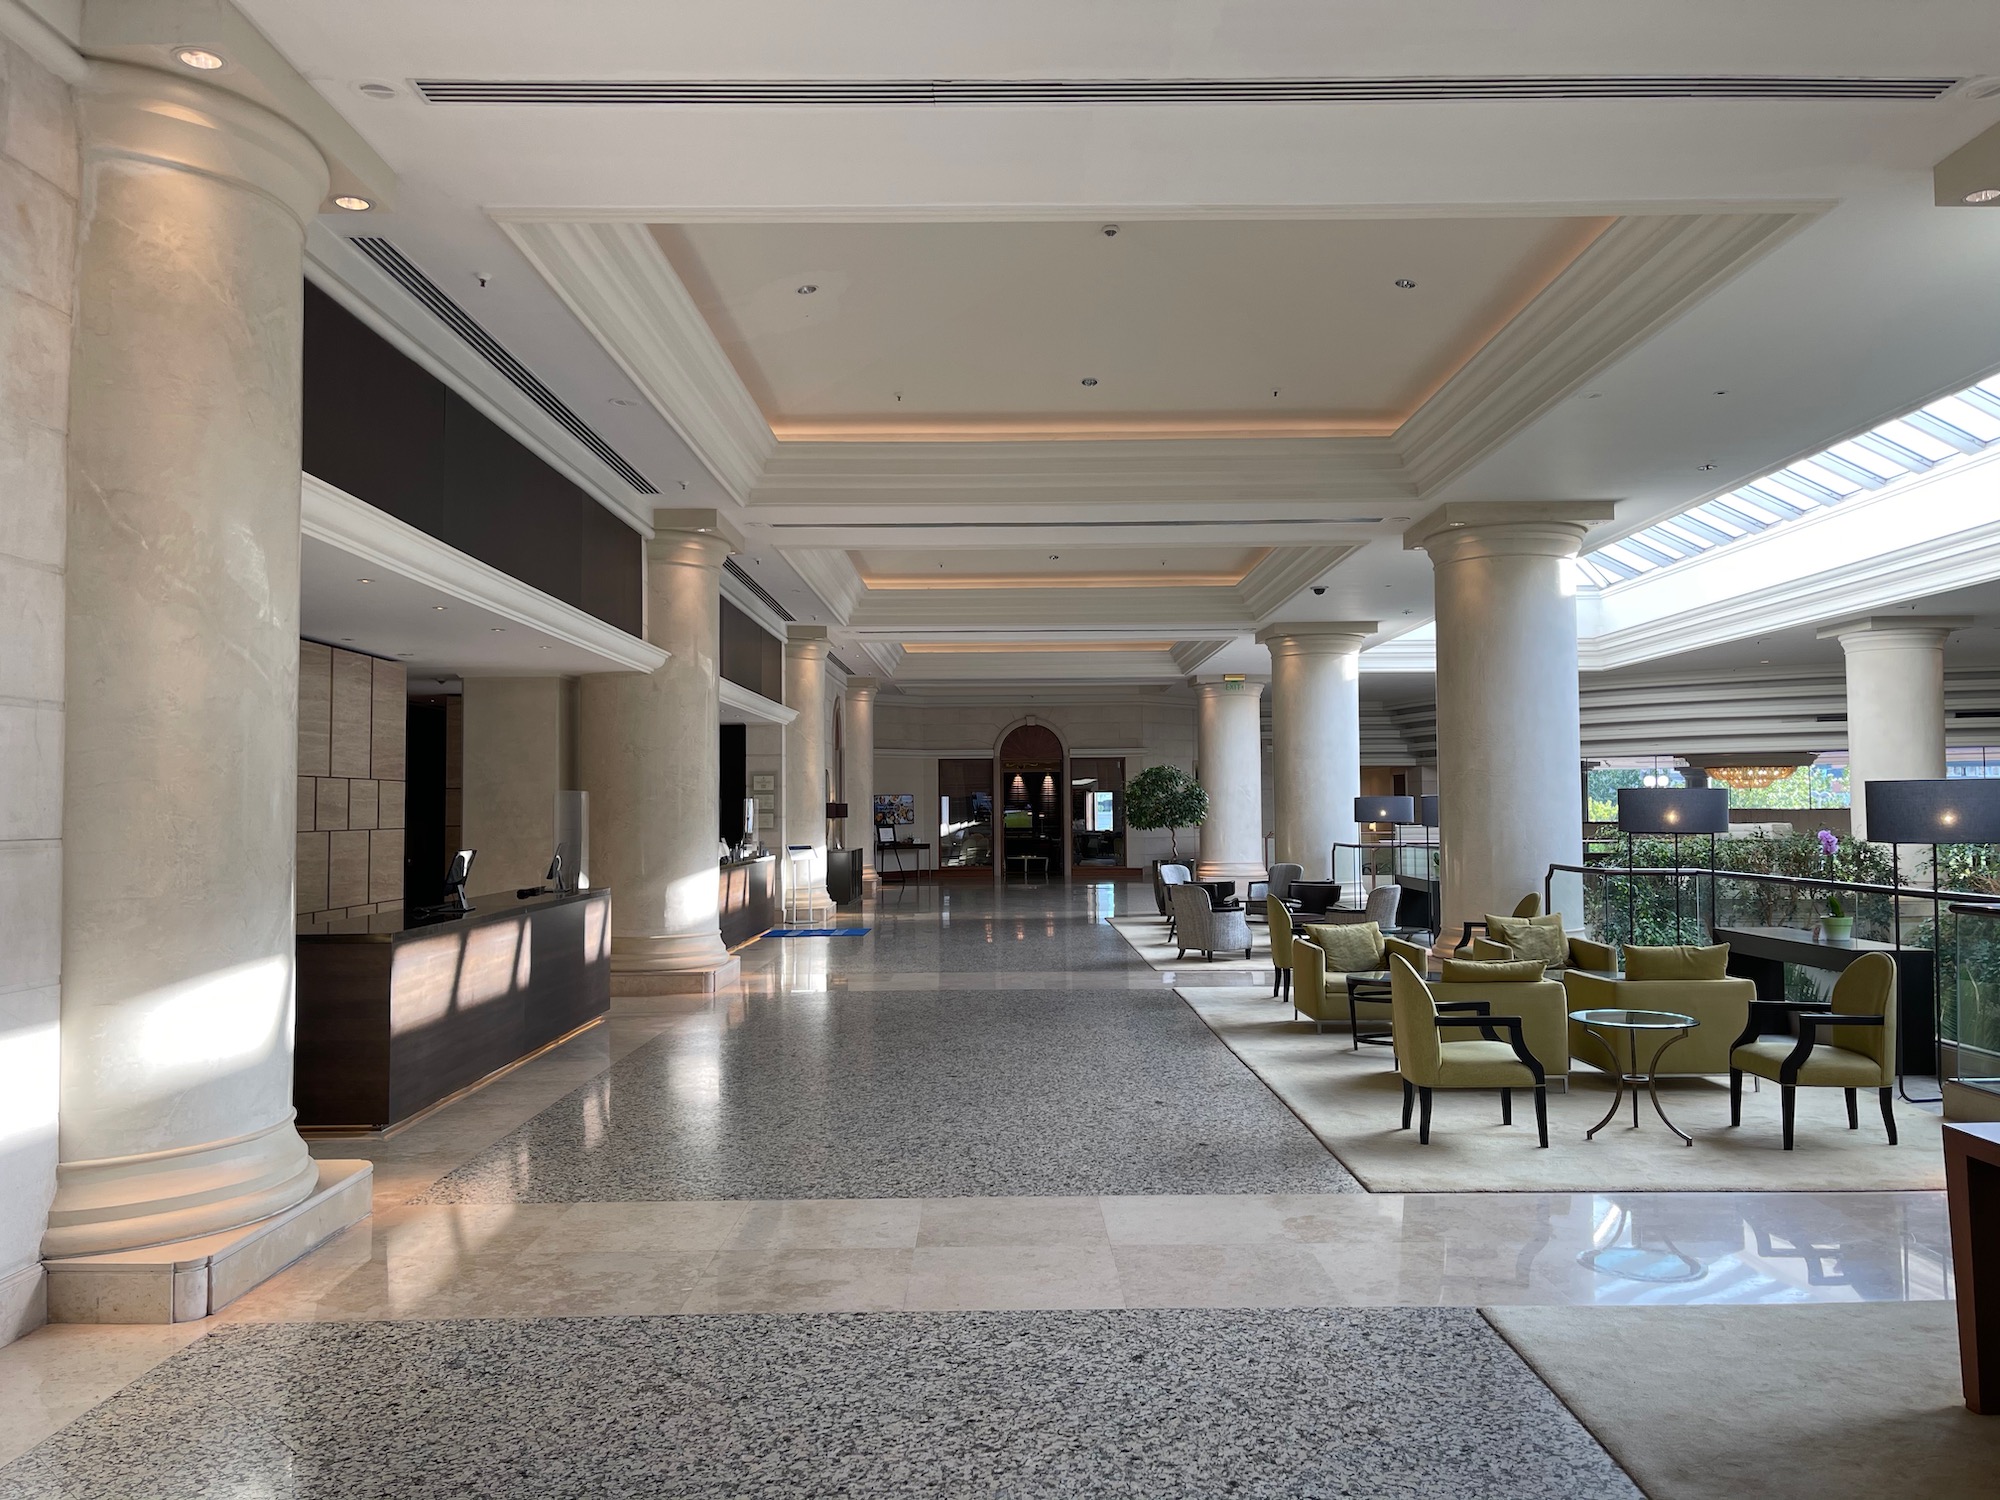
[[902, 872], [1760, 954]]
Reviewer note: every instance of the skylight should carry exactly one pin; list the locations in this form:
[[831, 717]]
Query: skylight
[[1945, 430]]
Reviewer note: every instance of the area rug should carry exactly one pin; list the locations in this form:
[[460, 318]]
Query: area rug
[[1784, 1403], [1353, 1102]]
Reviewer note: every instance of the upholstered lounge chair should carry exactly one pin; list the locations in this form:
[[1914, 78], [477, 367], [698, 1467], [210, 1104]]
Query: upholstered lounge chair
[[1380, 908], [1497, 1059], [1321, 958], [1850, 1045], [1529, 905], [1198, 927], [1165, 878], [1278, 883]]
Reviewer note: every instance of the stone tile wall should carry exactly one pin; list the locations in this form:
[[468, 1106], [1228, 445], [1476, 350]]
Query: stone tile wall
[[38, 190], [353, 717]]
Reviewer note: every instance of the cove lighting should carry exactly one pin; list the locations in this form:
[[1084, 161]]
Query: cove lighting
[[199, 59], [352, 204]]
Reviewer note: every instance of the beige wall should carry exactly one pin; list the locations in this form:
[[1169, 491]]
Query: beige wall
[[518, 746], [353, 727], [38, 185]]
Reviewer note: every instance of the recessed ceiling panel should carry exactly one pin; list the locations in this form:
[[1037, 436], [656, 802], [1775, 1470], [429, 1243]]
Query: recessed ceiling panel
[[1045, 567], [1039, 329]]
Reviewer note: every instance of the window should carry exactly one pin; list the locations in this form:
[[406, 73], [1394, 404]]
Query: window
[[1945, 430]]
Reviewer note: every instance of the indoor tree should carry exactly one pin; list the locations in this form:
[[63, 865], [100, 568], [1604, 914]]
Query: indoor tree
[[1165, 797]]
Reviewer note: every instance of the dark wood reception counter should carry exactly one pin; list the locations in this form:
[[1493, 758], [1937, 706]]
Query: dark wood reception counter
[[394, 1017], [748, 898]]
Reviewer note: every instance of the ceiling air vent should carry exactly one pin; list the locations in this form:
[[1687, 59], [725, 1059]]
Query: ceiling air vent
[[891, 92], [770, 602], [398, 268]]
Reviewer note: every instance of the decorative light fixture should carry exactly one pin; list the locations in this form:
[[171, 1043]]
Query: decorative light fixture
[[198, 58], [1749, 778], [1982, 195], [352, 204]]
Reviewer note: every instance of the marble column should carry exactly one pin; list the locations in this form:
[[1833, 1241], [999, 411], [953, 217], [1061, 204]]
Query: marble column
[[1895, 699], [182, 660], [1315, 737], [805, 757], [1229, 750], [1509, 740], [650, 755], [860, 788]]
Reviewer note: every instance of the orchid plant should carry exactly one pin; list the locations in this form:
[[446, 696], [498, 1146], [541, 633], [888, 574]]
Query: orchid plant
[[1829, 846]]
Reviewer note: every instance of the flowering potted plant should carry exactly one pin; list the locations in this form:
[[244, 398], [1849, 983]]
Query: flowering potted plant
[[1837, 926]]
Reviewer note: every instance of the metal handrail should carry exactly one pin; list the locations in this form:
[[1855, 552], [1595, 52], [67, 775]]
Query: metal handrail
[[1815, 882]]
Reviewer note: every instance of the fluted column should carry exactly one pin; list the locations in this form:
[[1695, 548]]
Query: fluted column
[[860, 788], [805, 755], [1229, 749], [1509, 739], [182, 657], [649, 753], [1895, 700], [1315, 737]]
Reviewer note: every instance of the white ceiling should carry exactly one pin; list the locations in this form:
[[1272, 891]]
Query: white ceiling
[[1191, 326], [1878, 302]]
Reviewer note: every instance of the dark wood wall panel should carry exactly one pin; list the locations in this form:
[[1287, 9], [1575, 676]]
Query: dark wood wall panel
[[751, 656], [382, 428]]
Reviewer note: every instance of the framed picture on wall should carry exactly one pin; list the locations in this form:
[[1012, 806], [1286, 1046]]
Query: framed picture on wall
[[893, 808]]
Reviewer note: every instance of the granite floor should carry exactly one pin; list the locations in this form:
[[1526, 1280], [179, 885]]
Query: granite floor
[[974, 1204]]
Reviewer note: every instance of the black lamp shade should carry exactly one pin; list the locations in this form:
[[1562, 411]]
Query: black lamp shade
[[1933, 812], [1427, 812], [1385, 809], [1673, 809], [836, 810]]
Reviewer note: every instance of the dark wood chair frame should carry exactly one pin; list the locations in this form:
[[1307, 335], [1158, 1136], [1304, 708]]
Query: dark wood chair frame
[[1487, 1023], [1788, 1072]]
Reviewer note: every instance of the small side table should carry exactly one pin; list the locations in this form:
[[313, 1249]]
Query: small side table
[[1371, 988], [1601, 1023], [1040, 859]]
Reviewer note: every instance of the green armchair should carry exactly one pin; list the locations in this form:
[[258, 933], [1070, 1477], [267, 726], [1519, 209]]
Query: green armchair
[[1850, 1045], [1428, 1062], [1312, 964], [1689, 981], [1518, 988]]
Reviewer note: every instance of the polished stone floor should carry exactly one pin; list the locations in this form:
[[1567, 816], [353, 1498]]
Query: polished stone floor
[[973, 1204]]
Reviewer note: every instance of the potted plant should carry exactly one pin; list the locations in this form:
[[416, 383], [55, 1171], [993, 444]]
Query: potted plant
[[1837, 926], [1165, 797]]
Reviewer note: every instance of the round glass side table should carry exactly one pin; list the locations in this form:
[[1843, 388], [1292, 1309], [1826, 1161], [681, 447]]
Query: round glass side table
[[1607, 1026]]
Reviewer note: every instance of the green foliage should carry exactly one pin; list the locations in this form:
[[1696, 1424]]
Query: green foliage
[[1165, 797]]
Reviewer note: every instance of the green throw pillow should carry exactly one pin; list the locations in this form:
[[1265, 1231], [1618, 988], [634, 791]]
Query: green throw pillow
[[1682, 963], [1351, 947], [1539, 938], [1476, 971]]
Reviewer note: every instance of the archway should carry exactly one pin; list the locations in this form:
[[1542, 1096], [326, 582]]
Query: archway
[[1031, 805]]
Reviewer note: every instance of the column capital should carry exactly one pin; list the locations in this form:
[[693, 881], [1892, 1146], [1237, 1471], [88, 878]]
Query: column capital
[[862, 687], [1317, 637], [1465, 529], [712, 524], [1888, 632], [807, 642], [1220, 685], [144, 114]]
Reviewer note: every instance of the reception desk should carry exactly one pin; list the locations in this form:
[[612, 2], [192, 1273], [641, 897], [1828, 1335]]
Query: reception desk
[[394, 1017], [749, 898]]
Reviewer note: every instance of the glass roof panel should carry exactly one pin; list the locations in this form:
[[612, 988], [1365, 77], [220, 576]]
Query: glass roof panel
[[1940, 432]]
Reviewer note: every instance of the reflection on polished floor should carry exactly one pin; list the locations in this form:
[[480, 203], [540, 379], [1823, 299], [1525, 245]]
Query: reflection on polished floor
[[930, 1175]]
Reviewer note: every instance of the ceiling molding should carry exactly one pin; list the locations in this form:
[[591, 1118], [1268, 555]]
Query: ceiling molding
[[1633, 279], [618, 281], [1274, 582], [753, 708], [831, 574], [1190, 655], [331, 515], [737, 594]]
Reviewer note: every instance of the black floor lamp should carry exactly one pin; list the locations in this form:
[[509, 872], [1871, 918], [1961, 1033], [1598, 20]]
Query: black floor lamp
[[1427, 814], [1938, 812], [1672, 810], [1395, 811]]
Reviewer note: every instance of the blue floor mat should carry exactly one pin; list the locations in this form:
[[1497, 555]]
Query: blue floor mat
[[818, 932]]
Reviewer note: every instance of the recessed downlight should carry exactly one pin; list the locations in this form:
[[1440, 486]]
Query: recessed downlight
[[364, 580], [498, 629], [1705, 468], [1089, 380], [198, 58], [1982, 195], [352, 204], [807, 290], [1405, 284], [377, 90], [440, 608]]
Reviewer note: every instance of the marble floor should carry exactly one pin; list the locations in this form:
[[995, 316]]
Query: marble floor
[[974, 1204]]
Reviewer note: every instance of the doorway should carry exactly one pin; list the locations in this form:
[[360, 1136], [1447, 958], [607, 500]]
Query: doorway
[[1031, 781]]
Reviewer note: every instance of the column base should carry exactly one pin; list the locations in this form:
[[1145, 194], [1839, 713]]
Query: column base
[[185, 1280], [630, 987]]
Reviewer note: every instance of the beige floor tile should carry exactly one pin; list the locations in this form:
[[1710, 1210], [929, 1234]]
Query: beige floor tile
[[1011, 1221], [800, 1281], [1222, 1219], [965, 1277], [828, 1224], [54, 1375], [639, 1228], [1224, 1276]]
